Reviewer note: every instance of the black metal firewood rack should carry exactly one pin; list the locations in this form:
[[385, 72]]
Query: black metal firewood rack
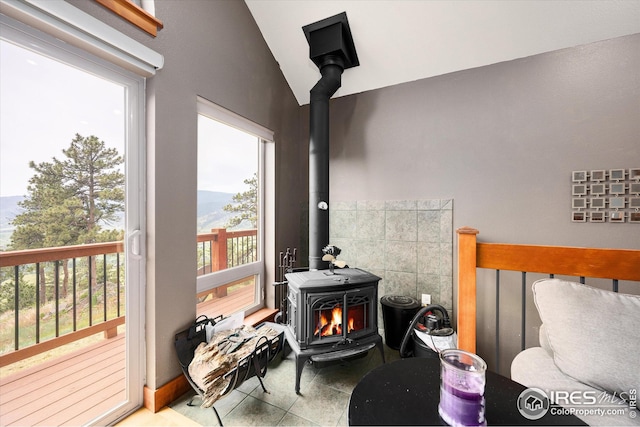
[[253, 364]]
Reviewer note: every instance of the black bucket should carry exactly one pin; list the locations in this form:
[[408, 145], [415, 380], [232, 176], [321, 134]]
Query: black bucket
[[397, 313]]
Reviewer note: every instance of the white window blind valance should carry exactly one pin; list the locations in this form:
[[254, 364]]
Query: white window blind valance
[[70, 24], [232, 119]]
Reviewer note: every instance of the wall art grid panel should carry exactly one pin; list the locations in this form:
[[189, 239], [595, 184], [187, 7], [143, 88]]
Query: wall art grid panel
[[611, 195]]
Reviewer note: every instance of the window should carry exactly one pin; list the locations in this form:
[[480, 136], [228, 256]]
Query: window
[[231, 213]]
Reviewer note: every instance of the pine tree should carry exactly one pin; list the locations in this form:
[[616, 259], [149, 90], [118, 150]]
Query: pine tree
[[69, 199], [245, 204], [91, 174]]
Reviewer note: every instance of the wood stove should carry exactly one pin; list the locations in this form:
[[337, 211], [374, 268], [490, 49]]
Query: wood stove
[[331, 315]]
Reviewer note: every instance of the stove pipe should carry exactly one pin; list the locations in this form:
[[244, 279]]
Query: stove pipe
[[331, 48]]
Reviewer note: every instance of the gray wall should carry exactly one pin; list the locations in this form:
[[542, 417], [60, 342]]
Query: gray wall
[[501, 141], [212, 49]]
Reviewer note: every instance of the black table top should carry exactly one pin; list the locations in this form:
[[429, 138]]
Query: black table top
[[407, 392]]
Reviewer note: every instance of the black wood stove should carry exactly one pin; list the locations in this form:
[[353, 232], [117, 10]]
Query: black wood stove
[[331, 315]]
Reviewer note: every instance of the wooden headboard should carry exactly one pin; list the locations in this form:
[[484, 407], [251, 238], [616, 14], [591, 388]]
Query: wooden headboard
[[615, 264]]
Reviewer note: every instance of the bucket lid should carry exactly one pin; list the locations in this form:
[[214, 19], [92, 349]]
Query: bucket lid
[[399, 301]]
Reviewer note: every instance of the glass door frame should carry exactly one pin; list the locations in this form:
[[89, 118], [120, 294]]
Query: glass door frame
[[135, 191]]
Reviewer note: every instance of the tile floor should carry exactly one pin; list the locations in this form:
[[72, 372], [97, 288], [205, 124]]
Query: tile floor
[[324, 399]]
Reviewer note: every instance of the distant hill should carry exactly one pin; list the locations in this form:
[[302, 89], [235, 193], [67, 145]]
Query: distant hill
[[8, 210], [210, 213]]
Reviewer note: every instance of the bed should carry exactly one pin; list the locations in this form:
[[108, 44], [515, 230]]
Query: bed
[[586, 315]]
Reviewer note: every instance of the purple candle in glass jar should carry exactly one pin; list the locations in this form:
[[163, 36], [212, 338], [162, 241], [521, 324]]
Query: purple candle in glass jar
[[462, 381]]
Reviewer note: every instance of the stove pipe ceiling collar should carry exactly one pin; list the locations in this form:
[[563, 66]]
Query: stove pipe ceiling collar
[[332, 49], [331, 37]]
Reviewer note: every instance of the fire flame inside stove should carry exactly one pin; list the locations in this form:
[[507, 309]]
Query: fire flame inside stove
[[330, 323]]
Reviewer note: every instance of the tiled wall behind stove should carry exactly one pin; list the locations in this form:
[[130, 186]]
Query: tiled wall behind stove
[[409, 243]]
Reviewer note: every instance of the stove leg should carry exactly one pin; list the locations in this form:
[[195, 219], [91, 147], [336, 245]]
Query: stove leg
[[381, 348], [300, 362]]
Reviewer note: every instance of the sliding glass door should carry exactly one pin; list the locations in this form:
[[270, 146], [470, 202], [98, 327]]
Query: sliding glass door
[[72, 193]]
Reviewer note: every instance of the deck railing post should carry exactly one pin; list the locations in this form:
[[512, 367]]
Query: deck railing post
[[219, 256], [219, 249], [466, 312], [110, 333]]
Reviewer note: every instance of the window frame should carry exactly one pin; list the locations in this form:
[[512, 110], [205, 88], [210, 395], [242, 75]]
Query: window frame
[[66, 22], [265, 137]]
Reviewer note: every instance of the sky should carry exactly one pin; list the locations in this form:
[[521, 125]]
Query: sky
[[226, 157], [44, 103]]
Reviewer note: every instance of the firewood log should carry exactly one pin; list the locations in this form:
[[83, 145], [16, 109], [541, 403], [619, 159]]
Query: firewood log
[[210, 364]]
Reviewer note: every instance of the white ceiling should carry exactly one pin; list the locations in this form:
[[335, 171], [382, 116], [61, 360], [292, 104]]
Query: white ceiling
[[405, 40]]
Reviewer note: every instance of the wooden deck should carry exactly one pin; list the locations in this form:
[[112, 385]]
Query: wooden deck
[[73, 389], [232, 302], [68, 390]]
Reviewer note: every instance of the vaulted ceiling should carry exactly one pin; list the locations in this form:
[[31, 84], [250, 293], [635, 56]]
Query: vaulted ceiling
[[406, 40]]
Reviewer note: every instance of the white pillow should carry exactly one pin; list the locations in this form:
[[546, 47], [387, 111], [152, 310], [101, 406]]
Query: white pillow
[[594, 334]]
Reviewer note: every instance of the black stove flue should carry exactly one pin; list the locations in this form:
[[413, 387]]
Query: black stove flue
[[331, 316], [332, 49]]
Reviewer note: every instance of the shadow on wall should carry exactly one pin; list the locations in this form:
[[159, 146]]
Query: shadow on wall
[[347, 139]]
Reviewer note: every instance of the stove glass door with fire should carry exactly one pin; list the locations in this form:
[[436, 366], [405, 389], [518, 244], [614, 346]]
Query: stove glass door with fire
[[328, 320]]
